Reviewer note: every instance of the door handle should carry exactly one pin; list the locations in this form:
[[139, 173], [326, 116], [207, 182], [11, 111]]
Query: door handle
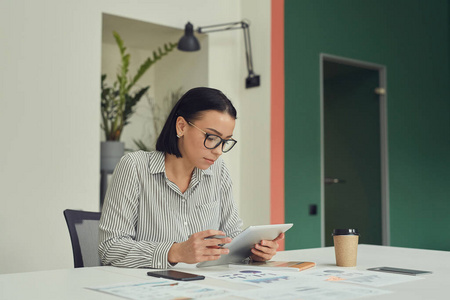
[[333, 180]]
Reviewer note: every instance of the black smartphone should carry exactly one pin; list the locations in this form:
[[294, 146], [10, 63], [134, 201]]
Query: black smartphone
[[399, 271], [175, 275]]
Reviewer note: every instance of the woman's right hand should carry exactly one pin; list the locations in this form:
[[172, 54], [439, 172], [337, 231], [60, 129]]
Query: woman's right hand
[[198, 248]]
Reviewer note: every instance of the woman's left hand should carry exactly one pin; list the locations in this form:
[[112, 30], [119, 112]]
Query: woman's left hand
[[265, 250]]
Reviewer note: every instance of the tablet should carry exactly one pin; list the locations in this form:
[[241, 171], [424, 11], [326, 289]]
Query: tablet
[[240, 247]]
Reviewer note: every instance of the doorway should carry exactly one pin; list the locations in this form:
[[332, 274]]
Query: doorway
[[354, 149]]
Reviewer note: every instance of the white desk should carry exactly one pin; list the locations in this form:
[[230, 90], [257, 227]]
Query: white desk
[[71, 283]]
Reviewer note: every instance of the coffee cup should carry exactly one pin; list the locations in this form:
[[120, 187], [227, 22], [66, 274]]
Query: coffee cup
[[346, 246]]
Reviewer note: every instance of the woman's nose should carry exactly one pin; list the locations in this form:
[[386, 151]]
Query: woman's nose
[[217, 150]]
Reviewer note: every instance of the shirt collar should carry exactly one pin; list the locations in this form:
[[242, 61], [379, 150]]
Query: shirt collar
[[156, 162], [157, 165]]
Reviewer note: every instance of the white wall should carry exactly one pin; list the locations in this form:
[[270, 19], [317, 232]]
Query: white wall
[[255, 116], [49, 94]]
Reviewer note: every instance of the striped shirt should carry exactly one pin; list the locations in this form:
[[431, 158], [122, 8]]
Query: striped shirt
[[145, 213]]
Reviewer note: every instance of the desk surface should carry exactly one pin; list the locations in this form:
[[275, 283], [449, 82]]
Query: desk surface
[[71, 283]]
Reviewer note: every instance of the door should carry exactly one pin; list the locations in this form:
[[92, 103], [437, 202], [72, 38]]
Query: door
[[352, 163]]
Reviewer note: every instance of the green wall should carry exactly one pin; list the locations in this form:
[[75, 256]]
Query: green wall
[[409, 37]]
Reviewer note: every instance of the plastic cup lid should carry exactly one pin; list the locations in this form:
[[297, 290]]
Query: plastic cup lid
[[345, 231]]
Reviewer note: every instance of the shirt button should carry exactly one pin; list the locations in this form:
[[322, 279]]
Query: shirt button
[[159, 264], [184, 200], [185, 223]]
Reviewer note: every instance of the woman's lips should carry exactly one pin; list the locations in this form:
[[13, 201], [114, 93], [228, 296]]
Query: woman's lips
[[210, 161]]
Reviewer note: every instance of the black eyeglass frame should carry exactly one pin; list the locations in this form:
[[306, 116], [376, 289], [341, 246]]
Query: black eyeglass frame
[[222, 141]]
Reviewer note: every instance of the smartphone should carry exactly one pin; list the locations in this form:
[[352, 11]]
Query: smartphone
[[176, 275], [399, 271]]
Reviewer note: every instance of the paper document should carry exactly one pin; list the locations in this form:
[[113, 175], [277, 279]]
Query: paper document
[[255, 276], [318, 290], [289, 266], [257, 283], [293, 285], [161, 289], [369, 278]]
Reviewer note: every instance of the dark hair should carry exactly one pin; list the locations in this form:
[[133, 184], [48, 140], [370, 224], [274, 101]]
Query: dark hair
[[190, 106]]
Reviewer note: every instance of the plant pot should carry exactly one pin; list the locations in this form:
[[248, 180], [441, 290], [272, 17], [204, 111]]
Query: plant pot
[[110, 154]]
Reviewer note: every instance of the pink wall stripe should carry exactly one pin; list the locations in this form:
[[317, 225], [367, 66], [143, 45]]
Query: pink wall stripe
[[277, 115]]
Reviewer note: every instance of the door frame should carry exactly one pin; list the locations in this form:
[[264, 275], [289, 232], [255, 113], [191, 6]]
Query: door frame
[[385, 224]]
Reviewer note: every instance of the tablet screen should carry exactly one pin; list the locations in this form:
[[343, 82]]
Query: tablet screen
[[240, 247]]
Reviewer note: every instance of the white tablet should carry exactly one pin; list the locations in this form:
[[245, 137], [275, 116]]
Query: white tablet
[[240, 247]]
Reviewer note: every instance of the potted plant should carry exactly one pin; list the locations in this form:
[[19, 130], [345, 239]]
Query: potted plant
[[118, 101]]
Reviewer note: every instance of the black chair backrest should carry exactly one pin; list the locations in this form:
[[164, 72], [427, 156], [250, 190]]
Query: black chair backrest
[[83, 230]]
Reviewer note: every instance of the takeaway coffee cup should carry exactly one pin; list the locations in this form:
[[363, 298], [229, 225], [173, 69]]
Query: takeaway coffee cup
[[346, 246]]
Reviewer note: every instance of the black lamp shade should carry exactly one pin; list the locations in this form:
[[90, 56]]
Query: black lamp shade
[[188, 41]]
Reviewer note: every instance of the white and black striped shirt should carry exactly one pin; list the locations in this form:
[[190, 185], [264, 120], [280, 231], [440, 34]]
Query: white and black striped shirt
[[145, 213]]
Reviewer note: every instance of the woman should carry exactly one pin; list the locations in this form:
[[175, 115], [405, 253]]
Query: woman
[[161, 206]]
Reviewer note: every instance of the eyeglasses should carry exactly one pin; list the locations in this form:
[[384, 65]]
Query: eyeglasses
[[213, 141]]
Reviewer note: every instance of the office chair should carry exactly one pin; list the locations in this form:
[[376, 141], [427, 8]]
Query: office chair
[[83, 230]]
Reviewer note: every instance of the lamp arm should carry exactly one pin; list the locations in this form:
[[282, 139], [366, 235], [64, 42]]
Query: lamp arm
[[252, 80], [220, 27], [248, 48], [233, 26]]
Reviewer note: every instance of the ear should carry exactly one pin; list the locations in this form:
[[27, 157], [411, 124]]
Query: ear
[[180, 126]]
